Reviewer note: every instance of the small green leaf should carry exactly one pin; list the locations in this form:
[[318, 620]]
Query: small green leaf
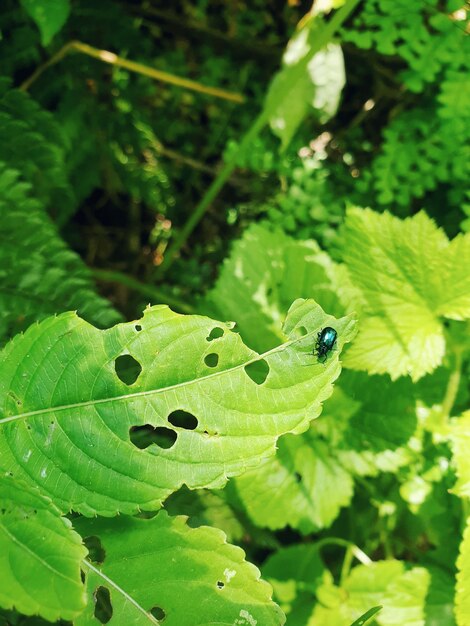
[[161, 567], [40, 555], [408, 275], [97, 444], [367, 615], [304, 83], [49, 15]]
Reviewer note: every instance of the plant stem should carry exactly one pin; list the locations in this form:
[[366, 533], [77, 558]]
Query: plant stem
[[355, 550], [260, 122], [139, 68], [452, 386], [156, 294]]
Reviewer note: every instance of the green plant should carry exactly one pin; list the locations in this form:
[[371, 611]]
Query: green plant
[[153, 467]]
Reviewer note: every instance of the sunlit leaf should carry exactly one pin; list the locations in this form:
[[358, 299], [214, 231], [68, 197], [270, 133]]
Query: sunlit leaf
[[161, 568], [40, 555], [116, 420]]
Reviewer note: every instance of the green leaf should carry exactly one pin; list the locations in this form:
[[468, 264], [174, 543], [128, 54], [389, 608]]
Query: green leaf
[[401, 593], [70, 416], [408, 275], [33, 143], [265, 272], [462, 597], [40, 555], [49, 15], [460, 437], [303, 486], [39, 275], [191, 575], [295, 573], [367, 615], [305, 82], [206, 508]]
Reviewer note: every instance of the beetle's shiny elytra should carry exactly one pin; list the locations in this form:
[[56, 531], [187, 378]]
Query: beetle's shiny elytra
[[326, 340]]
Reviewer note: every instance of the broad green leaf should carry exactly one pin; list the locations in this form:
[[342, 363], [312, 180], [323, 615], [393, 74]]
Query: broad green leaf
[[187, 576], [49, 15], [305, 82], [265, 272], [409, 275], [40, 555], [462, 597], [401, 593], [69, 415], [39, 274], [367, 616], [303, 486]]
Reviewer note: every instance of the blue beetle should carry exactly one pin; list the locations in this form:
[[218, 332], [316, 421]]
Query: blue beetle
[[326, 340]]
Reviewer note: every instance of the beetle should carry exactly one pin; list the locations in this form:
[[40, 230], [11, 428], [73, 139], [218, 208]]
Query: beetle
[[326, 340]]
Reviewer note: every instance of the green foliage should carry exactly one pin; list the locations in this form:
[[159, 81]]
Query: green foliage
[[33, 144], [344, 479], [39, 274], [409, 275]]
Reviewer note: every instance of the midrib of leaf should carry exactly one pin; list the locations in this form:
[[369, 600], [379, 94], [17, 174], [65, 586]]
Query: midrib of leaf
[[150, 392], [120, 590]]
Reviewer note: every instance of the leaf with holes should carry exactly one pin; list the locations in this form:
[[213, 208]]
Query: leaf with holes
[[108, 421], [409, 276], [265, 272], [40, 555], [147, 566]]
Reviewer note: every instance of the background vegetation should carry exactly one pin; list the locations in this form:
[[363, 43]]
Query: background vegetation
[[281, 167]]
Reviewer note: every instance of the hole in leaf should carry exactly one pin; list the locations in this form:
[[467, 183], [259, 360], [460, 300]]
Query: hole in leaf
[[211, 360], [145, 436], [103, 607], [297, 477], [96, 552], [82, 576], [127, 369], [183, 419], [158, 613], [220, 584], [301, 331], [215, 333], [258, 371], [138, 327]]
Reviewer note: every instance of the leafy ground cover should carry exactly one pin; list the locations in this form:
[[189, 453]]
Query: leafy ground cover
[[190, 194]]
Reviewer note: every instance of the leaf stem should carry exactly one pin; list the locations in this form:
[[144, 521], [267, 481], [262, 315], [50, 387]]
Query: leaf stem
[[155, 293], [260, 122], [139, 68], [356, 552], [452, 386]]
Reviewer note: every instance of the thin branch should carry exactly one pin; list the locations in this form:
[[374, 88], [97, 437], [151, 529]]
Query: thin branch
[[260, 122], [113, 59]]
